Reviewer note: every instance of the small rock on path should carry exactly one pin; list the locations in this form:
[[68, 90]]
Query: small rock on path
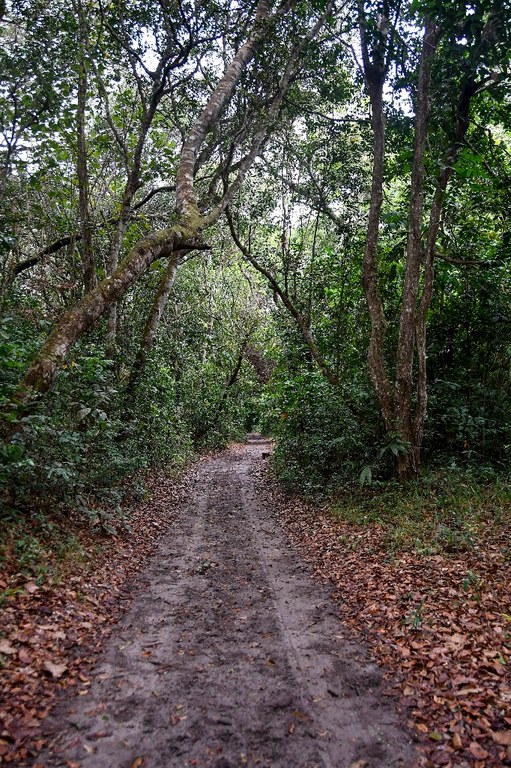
[[230, 654]]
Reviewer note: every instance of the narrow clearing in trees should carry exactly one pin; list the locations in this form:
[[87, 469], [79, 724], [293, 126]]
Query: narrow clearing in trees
[[230, 653]]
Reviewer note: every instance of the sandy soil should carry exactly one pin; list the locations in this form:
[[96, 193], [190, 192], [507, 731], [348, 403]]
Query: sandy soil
[[230, 653]]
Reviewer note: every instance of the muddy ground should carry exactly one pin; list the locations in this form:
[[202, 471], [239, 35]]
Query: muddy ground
[[230, 653]]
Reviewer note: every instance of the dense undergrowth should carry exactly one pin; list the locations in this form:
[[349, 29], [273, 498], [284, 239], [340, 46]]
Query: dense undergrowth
[[72, 467], [445, 512]]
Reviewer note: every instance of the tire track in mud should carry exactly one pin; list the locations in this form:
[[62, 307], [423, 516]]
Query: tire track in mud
[[230, 654]]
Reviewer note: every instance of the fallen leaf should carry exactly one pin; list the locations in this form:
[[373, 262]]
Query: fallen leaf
[[477, 751], [502, 737], [359, 764], [456, 641], [24, 656], [56, 670], [456, 741], [6, 648], [137, 762]]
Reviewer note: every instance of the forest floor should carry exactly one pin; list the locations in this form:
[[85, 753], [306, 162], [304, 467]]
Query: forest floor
[[203, 639], [229, 654]]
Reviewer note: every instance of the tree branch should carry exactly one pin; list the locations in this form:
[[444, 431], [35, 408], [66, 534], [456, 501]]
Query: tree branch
[[62, 242], [284, 297]]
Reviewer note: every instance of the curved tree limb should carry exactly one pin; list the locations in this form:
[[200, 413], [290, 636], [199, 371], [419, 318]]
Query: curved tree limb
[[465, 262], [76, 237], [185, 235], [288, 304]]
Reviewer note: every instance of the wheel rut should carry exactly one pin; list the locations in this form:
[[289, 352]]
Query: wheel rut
[[230, 654]]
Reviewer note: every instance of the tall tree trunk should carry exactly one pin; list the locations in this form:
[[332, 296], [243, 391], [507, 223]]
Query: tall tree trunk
[[89, 267], [375, 355], [408, 461], [396, 400], [460, 129], [375, 73]]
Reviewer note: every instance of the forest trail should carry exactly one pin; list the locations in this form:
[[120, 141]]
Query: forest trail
[[230, 653]]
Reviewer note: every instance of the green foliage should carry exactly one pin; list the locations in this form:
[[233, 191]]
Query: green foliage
[[39, 549], [323, 435], [89, 443], [414, 619], [155, 428], [69, 449], [443, 512]]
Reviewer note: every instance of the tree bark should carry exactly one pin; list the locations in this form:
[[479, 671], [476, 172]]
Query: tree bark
[[375, 74], [41, 374], [408, 462], [89, 267], [153, 320], [461, 126], [186, 201], [396, 401]]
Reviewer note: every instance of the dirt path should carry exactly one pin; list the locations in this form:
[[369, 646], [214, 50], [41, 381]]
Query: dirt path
[[230, 654]]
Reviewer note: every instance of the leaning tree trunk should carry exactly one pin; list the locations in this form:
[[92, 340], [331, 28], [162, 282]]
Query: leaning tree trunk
[[41, 374], [185, 235]]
